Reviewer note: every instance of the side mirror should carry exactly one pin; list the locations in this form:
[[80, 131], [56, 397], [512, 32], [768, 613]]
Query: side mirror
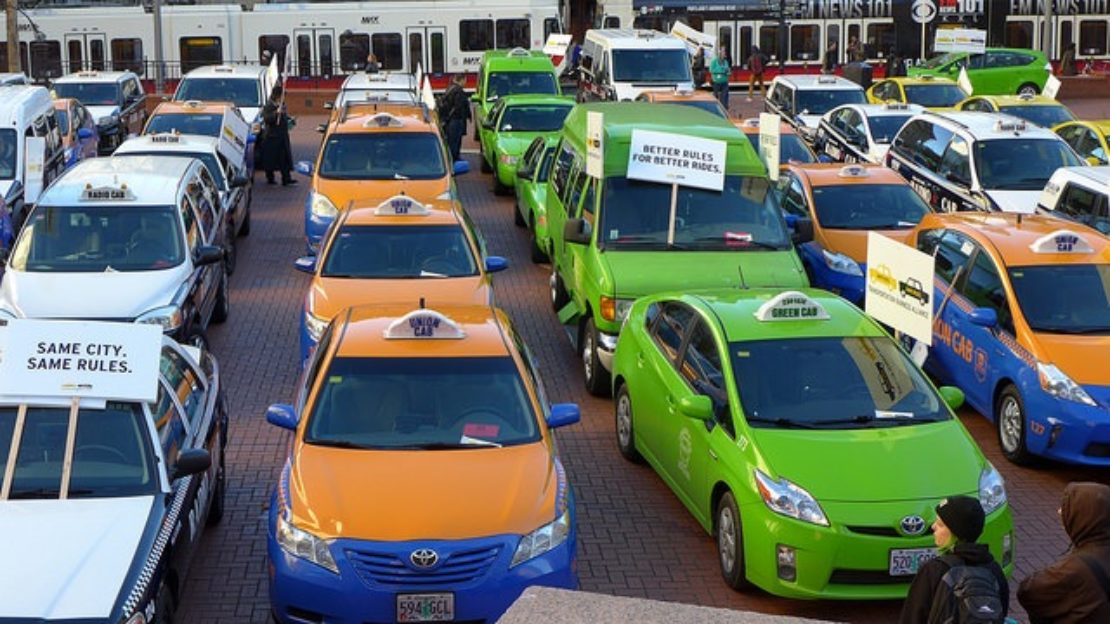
[[190, 462], [282, 415], [460, 167], [303, 167], [208, 254], [322, 128], [487, 123], [85, 133], [696, 406], [953, 396], [239, 181], [495, 264], [984, 317], [305, 264], [577, 231], [562, 414], [803, 231]]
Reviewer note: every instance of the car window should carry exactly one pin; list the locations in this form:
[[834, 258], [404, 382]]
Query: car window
[[186, 385], [793, 196], [671, 326], [955, 164], [701, 367], [560, 172], [573, 188], [172, 427], [1085, 206], [952, 255], [1020, 164], [983, 287]]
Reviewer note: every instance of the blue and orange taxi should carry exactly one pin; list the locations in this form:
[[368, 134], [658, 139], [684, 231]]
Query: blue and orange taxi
[[1022, 326], [422, 481]]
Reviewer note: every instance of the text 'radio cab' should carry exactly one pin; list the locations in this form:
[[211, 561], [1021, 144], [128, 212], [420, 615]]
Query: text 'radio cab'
[[802, 100], [423, 481], [131, 238], [1022, 326], [114, 98], [1080, 194], [861, 133], [112, 441]]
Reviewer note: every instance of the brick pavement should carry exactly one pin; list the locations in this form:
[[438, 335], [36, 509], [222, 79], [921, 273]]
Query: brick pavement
[[635, 538]]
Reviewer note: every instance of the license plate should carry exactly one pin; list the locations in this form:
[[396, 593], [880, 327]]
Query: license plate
[[425, 607], [907, 561]]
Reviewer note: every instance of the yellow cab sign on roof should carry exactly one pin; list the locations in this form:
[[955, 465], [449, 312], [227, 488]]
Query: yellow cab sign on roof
[[424, 325], [401, 205], [791, 306], [383, 120], [1061, 241], [107, 193]]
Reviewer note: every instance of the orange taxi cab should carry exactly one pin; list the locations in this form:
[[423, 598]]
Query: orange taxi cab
[[703, 100], [80, 137], [206, 118], [792, 149]]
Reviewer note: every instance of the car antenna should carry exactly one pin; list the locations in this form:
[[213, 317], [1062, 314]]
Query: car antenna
[[421, 303], [740, 270]]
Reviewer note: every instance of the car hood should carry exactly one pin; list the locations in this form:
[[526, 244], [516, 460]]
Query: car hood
[[638, 273], [372, 192], [853, 243], [81, 295], [102, 111], [516, 142], [73, 555], [330, 295], [871, 465], [441, 494], [1015, 201], [1079, 357]]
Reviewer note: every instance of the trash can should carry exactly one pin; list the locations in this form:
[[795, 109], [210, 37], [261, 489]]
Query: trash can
[[859, 73]]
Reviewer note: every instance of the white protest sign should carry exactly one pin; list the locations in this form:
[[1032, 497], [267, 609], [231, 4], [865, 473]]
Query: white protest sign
[[965, 82], [693, 38], [677, 159], [769, 139], [34, 159], [899, 287], [1051, 86], [960, 40], [426, 94], [233, 136], [85, 359], [595, 144], [419, 76], [556, 44], [273, 75]]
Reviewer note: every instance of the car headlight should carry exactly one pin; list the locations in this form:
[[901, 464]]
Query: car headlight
[[992, 489], [304, 545], [315, 325], [108, 120], [507, 159], [790, 500], [322, 207], [840, 263], [543, 539], [169, 317], [613, 309], [1059, 385]]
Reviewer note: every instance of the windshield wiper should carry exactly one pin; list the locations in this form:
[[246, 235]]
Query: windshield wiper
[[465, 443], [343, 444], [737, 243], [783, 423]]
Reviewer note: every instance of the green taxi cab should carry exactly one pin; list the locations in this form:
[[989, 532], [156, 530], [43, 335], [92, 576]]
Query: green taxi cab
[[996, 71], [801, 436], [508, 72], [531, 195], [616, 238], [1042, 110], [513, 121]]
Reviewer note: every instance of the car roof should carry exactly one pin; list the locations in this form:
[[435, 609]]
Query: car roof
[[191, 107], [362, 332], [736, 313], [890, 109], [517, 59], [151, 180], [521, 99], [821, 82], [635, 38], [168, 142], [839, 174], [254, 72], [380, 81], [94, 76], [1014, 236], [22, 102], [1017, 100], [360, 117], [987, 125], [372, 212]]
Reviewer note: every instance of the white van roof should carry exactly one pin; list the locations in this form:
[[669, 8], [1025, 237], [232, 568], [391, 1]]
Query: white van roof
[[95, 77], [19, 104], [254, 72], [634, 38], [146, 180]]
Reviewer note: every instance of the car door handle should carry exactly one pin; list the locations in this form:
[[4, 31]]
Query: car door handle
[[640, 360], [712, 455], [670, 403]]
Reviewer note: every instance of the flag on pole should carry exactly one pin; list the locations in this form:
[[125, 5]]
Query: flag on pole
[[426, 94]]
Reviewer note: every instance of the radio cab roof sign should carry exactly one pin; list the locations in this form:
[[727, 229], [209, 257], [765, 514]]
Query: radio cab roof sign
[[791, 306], [107, 193], [424, 325], [46, 359], [401, 205], [1062, 241]]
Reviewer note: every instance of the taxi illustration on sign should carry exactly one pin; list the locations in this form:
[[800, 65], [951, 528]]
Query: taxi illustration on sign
[[913, 289], [882, 276], [422, 482], [1022, 309]]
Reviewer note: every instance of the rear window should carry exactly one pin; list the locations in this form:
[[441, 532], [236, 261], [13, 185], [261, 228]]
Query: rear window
[[383, 156], [241, 91], [206, 124]]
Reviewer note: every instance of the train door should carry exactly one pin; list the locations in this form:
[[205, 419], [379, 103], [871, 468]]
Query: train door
[[1066, 32], [725, 32], [427, 46], [86, 51], [314, 51]]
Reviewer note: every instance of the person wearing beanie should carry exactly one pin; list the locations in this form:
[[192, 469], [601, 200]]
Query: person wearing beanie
[[1075, 589], [958, 525]]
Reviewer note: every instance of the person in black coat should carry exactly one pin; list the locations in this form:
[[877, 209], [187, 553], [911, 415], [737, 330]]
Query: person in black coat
[[277, 153], [958, 525], [454, 112]]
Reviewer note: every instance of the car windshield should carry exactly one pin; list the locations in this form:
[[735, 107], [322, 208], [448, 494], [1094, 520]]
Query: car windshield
[[1085, 309], [406, 252], [884, 127], [1021, 164], [205, 124], [791, 148], [836, 383], [533, 118], [819, 102], [89, 93], [1044, 116], [383, 156], [744, 216], [511, 83], [99, 239], [7, 154], [241, 91], [940, 61], [422, 403], [868, 206], [387, 95], [213, 164], [649, 66], [934, 95], [112, 453]]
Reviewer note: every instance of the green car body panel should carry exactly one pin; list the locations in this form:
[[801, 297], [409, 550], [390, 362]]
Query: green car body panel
[[865, 480], [517, 60], [531, 194], [989, 77], [502, 148]]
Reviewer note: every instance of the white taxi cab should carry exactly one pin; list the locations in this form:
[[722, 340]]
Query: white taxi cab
[[1079, 194]]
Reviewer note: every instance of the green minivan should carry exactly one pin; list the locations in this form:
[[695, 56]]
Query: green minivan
[[509, 72], [997, 71], [609, 236]]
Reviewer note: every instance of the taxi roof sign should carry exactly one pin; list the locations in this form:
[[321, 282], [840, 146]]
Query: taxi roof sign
[[383, 120], [424, 324], [892, 105], [401, 205], [1061, 241], [166, 137], [107, 193], [1005, 125], [853, 171], [826, 79], [791, 306]]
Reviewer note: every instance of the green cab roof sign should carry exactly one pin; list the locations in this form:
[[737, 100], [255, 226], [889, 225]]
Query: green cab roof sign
[[791, 306], [679, 159]]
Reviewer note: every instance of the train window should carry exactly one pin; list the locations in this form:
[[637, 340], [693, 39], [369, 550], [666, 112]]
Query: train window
[[353, 49], [475, 35], [611, 21], [22, 55], [274, 44], [1067, 37], [550, 26], [832, 33], [324, 47], [438, 52], [768, 40], [127, 55], [805, 42], [514, 33], [1092, 37], [745, 46], [46, 59], [96, 54], [76, 55], [416, 50], [387, 47], [724, 39], [1019, 34], [880, 40], [200, 51]]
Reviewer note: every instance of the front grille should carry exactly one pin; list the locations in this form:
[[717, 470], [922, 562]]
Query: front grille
[[382, 568], [866, 577], [1097, 449], [879, 531]]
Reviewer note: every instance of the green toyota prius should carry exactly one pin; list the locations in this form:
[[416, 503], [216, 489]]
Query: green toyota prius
[[509, 128], [531, 194], [801, 436]]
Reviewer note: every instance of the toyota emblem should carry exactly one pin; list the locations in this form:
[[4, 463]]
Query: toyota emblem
[[911, 525], [426, 557]]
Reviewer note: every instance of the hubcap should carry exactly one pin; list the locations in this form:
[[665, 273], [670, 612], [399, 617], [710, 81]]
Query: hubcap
[[624, 421], [587, 355], [1028, 91], [1010, 424], [726, 539]]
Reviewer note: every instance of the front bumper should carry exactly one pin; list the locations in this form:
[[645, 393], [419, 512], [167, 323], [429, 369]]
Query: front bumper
[[1066, 430]]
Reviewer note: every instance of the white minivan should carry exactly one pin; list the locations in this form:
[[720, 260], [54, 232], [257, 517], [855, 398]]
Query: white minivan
[[618, 64], [28, 133]]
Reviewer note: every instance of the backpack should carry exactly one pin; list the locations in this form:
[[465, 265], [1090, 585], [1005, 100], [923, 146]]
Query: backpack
[[966, 595]]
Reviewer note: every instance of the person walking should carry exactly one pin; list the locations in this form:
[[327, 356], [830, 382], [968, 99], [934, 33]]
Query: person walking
[[697, 67], [963, 577], [277, 154], [1075, 589], [454, 112], [832, 57], [1067, 63], [720, 69], [757, 62]]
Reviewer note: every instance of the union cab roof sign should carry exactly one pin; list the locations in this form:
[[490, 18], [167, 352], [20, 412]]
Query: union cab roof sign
[[43, 359], [424, 325], [401, 205], [791, 306], [1062, 241]]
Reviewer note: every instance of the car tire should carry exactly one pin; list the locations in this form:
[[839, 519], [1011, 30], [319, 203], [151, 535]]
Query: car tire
[[539, 256], [216, 511], [626, 434], [729, 535], [559, 296], [594, 375], [1028, 88], [499, 189], [223, 302], [518, 218], [1009, 417], [231, 254]]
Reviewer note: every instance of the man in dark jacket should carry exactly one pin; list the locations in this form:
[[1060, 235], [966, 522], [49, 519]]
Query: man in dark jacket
[[1075, 589], [276, 150], [958, 525], [454, 112]]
